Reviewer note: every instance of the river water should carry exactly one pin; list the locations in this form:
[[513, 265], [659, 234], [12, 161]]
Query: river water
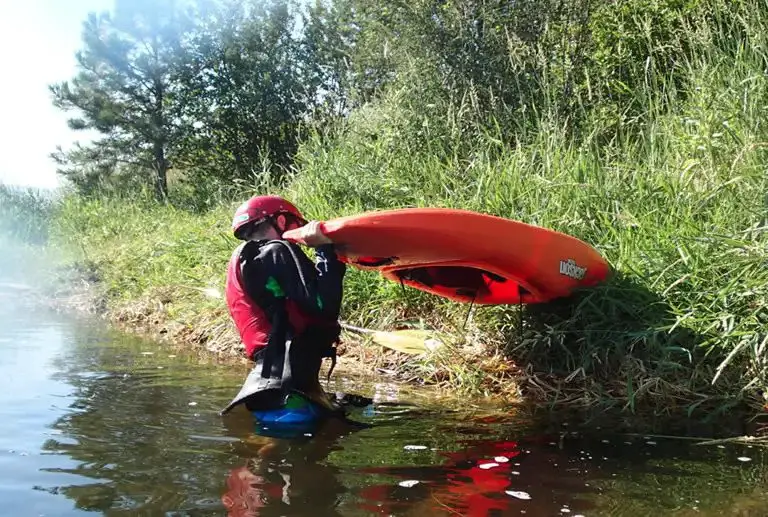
[[93, 422]]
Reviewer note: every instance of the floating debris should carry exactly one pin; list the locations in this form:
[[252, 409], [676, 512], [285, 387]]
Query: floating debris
[[744, 458], [650, 442], [409, 483], [415, 447], [147, 353], [193, 403], [171, 356], [519, 495]]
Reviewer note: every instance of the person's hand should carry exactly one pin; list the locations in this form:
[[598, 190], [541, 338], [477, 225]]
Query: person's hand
[[312, 234]]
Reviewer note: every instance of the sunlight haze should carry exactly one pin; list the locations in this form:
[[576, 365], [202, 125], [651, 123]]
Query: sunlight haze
[[39, 39]]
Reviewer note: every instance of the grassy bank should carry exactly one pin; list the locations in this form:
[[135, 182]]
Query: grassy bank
[[672, 192]]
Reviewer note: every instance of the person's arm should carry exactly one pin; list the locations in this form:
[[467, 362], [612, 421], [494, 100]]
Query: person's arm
[[329, 266]]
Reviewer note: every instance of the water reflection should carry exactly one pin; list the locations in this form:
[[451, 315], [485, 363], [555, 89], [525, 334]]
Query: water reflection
[[94, 421], [481, 478], [280, 476]]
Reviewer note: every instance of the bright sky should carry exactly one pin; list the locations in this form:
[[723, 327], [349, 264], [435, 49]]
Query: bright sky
[[38, 41]]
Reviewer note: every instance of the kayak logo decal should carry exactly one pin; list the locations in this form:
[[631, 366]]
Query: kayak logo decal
[[570, 269]]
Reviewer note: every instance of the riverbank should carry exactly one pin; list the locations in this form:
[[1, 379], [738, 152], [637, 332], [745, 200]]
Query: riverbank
[[650, 339], [156, 270]]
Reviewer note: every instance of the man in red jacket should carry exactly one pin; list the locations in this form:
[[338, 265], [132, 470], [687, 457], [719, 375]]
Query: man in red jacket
[[285, 308]]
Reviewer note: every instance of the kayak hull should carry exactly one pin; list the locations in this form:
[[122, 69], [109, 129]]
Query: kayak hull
[[466, 256]]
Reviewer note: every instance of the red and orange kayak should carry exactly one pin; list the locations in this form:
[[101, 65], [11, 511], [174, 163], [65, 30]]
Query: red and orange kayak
[[466, 256]]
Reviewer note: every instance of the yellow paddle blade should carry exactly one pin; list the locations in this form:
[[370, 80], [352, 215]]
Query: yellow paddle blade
[[409, 341], [412, 342]]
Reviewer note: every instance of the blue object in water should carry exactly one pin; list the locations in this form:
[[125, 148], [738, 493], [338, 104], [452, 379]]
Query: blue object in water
[[297, 410], [298, 417]]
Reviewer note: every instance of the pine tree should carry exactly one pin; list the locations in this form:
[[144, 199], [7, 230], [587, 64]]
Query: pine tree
[[125, 89]]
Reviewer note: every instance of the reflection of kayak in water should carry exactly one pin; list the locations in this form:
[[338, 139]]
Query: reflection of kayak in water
[[473, 481], [283, 473], [482, 478]]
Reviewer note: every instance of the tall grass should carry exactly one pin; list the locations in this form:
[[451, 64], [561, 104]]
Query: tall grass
[[25, 213], [676, 202]]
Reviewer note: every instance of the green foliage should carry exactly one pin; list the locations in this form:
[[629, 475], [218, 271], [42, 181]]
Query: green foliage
[[138, 244], [675, 201], [125, 90], [250, 82], [197, 94]]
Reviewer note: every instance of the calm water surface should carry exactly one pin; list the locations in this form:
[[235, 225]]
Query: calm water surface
[[92, 422]]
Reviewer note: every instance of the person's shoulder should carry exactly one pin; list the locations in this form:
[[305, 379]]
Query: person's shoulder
[[249, 249], [253, 251], [255, 254], [279, 247]]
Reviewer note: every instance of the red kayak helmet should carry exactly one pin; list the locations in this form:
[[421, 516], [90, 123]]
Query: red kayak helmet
[[261, 208]]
